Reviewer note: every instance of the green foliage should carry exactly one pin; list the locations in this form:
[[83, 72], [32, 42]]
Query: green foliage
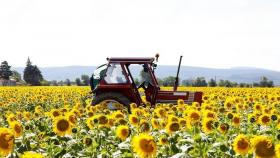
[[32, 75], [188, 82], [200, 82], [16, 76], [5, 70], [85, 80], [168, 81], [212, 83], [264, 82], [67, 82], [78, 82]]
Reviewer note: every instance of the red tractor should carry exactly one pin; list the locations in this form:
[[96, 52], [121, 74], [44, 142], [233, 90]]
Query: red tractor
[[113, 83]]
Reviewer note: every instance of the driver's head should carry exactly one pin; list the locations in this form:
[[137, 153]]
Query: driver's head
[[145, 68]]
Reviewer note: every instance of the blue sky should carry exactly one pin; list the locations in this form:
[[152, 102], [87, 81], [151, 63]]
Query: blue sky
[[216, 33]]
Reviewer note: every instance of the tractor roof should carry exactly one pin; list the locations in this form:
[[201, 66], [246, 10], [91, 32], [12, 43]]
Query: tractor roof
[[131, 60]]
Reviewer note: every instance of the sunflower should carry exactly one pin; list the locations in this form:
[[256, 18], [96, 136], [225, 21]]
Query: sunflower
[[183, 122], [277, 150], [263, 146], [223, 128], [163, 140], [90, 122], [160, 112], [17, 127], [133, 119], [122, 132], [241, 144], [62, 126], [144, 126], [209, 114], [258, 107], [133, 105], [87, 141], [194, 116], [172, 118], [118, 115], [207, 125], [6, 141], [27, 115], [102, 119], [155, 123], [144, 146], [264, 119], [31, 154], [55, 113], [236, 120], [180, 102], [172, 127], [72, 118]]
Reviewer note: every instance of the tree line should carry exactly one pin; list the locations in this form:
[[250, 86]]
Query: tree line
[[202, 82], [33, 76]]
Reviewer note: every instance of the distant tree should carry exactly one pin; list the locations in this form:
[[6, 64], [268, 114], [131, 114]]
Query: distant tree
[[32, 75], [221, 83], [228, 83], [242, 85], [16, 76], [68, 82], [265, 82], [256, 84], [212, 83], [168, 81], [5, 70], [85, 79], [60, 83], [160, 81], [54, 83], [200, 82], [78, 82], [188, 82], [45, 83]]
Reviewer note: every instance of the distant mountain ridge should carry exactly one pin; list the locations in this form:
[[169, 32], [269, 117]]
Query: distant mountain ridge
[[237, 74]]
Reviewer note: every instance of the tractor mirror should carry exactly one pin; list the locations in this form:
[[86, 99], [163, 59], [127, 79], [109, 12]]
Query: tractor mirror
[[157, 55]]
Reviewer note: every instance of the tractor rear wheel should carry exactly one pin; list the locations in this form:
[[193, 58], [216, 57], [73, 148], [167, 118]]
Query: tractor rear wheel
[[112, 98]]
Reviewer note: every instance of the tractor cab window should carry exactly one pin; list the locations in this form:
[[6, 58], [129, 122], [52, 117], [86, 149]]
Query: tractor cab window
[[99, 72], [115, 74]]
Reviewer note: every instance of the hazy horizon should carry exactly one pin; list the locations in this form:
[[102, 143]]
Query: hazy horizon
[[213, 34]]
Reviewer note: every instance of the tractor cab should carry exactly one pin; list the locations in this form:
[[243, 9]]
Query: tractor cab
[[114, 84]]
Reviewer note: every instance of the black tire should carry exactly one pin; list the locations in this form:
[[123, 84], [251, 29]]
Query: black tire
[[112, 96]]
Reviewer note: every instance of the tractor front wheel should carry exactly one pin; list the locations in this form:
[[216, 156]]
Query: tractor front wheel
[[113, 100]]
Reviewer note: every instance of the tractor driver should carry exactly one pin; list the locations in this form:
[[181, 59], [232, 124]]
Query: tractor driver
[[146, 77]]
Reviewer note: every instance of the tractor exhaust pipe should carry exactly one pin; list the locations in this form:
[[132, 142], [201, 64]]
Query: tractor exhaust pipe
[[177, 76]]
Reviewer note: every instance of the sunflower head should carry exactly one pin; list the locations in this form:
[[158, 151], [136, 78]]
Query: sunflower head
[[208, 125], [236, 120], [241, 144], [163, 140], [144, 126], [144, 145], [134, 120], [263, 146], [6, 141], [62, 126], [122, 132], [172, 127], [223, 128], [264, 119], [17, 128]]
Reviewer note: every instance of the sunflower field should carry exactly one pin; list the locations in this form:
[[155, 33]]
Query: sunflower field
[[58, 122]]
